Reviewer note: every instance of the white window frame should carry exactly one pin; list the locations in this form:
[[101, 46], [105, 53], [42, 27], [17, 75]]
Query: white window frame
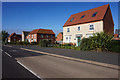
[[46, 36], [93, 27], [88, 35], [78, 28], [68, 39], [41, 35], [68, 29], [34, 35], [34, 40]]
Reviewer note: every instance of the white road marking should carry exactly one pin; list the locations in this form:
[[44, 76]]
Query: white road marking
[[8, 54], [29, 70]]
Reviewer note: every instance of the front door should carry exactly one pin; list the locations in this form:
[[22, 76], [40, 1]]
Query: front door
[[78, 40]]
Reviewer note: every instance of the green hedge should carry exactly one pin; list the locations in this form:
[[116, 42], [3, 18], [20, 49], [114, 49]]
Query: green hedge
[[44, 43], [19, 43]]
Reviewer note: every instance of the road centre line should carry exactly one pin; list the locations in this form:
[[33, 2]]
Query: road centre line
[[76, 59], [29, 70]]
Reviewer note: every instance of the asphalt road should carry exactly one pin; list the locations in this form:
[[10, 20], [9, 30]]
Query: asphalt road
[[47, 66], [13, 70]]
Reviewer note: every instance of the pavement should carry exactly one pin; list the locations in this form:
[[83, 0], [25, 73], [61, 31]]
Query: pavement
[[103, 57], [48, 67]]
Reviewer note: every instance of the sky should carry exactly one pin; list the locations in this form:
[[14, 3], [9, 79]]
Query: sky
[[27, 16]]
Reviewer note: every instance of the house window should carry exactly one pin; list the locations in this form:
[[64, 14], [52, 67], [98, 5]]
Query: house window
[[88, 35], [51, 36], [91, 27], [46, 36], [82, 16], [66, 39], [14, 36], [31, 40], [41, 35], [14, 39], [71, 19], [79, 28], [94, 14], [34, 40], [68, 29], [34, 35]]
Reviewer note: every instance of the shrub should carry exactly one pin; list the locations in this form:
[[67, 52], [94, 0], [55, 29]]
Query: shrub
[[86, 44], [33, 43], [12, 42], [44, 43], [100, 42], [115, 46]]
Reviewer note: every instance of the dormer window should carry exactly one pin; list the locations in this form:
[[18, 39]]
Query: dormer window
[[82, 16], [94, 14], [71, 20]]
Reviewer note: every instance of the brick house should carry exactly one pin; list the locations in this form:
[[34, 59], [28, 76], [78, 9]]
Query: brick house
[[38, 34], [14, 37], [59, 38], [84, 24], [24, 34]]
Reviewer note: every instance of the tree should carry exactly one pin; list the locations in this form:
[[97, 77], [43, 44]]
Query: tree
[[4, 35]]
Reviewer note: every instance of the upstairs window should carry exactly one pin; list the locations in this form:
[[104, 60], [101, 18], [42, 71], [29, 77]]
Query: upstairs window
[[68, 29], [51, 36], [79, 28], [41, 35], [34, 35], [47, 36], [94, 14], [91, 27], [71, 19], [82, 16]]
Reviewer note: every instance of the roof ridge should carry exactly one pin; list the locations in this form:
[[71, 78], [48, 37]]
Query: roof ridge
[[91, 9]]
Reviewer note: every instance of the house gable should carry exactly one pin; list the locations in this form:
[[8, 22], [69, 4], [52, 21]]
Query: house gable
[[108, 24], [92, 15]]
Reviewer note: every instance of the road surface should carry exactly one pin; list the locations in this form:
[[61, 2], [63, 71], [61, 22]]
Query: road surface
[[47, 66]]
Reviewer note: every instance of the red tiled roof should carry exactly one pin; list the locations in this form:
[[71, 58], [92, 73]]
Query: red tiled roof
[[12, 34], [42, 31], [15, 34], [88, 16]]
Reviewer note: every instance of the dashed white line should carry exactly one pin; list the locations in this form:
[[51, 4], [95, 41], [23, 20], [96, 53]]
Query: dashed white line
[[8, 54], [29, 70]]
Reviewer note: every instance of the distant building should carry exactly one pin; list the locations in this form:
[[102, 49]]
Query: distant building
[[59, 38], [24, 34], [39, 34], [84, 24], [14, 37], [116, 37], [117, 31]]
